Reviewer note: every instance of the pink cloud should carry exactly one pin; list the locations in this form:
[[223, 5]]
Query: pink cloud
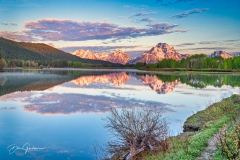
[[68, 30], [19, 36]]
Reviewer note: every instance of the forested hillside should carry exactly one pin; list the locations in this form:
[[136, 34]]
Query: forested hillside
[[38, 51]]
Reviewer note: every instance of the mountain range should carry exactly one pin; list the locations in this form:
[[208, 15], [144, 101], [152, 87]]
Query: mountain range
[[156, 53], [40, 51], [117, 56]]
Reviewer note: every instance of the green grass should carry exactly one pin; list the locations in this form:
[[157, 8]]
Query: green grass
[[218, 154], [189, 145]]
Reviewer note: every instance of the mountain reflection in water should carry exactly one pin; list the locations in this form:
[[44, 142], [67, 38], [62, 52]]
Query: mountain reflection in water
[[72, 92], [162, 83], [116, 78]]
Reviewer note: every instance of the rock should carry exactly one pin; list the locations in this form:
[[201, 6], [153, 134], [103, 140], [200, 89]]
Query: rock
[[187, 128]]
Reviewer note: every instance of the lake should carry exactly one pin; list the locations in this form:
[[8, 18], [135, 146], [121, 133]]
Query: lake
[[58, 114]]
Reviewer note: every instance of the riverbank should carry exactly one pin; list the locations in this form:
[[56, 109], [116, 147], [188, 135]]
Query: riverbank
[[188, 69], [70, 68], [201, 127]]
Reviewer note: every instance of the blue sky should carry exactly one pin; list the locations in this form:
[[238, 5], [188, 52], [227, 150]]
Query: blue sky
[[191, 26]]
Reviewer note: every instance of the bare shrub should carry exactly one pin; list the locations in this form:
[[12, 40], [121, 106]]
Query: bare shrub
[[236, 100], [136, 131], [41, 66]]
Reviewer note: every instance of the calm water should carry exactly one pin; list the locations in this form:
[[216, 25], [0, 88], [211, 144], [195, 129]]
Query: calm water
[[58, 114]]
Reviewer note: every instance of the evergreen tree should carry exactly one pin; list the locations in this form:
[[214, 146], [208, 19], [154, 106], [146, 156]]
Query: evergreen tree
[[2, 62], [0, 53]]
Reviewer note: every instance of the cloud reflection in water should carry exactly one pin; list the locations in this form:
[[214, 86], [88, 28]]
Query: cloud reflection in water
[[72, 103]]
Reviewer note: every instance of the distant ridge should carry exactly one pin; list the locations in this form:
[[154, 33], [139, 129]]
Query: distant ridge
[[223, 54], [38, 51]]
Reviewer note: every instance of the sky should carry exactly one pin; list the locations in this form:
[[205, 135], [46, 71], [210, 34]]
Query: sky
[[134, 26]]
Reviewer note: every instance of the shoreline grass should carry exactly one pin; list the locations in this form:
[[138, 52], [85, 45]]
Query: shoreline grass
[[189, 145], [189, 69]]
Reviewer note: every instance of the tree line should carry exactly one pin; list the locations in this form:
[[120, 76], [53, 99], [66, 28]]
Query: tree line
[[53, 63], [198, 61], [2, 61]]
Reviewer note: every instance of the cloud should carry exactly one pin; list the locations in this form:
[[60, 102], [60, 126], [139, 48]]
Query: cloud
[[235, 53], [149, 20], [208, 42], [185, 44], [171, 2], [211, 45], [162, 26], [232, 40], [13, 23], [130, 7], [146, 20], [143, 13], [143, 7], [124, 17], [68, 30], [210, 48], [127, 6], [222, 42], [19, 36], [187, 13], [4, 23]]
